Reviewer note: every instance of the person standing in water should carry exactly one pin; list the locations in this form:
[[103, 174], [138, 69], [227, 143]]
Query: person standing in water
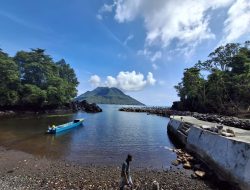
[[126, 180]]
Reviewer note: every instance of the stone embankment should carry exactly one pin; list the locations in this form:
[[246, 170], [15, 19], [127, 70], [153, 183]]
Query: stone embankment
[[166, 112], [224, 149]]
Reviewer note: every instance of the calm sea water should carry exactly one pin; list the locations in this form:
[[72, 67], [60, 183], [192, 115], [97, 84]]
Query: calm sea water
[[105, 138]]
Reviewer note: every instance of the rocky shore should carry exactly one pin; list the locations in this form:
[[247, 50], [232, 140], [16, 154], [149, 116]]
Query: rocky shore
[[7, 113], [71, 108], [20, 170], [166, 112], [85, 106]]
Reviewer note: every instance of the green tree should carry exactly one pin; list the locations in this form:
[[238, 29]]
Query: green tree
[[35, 67], [9, 81], [33, 96], [227, 88], [58, 79], [220, 58], [69, 77], [192, 88]]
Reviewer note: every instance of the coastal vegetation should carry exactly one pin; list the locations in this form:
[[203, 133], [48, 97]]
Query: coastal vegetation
[[220, 84], [33, 80]]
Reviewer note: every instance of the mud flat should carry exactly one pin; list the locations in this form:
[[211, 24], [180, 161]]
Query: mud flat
[[225, 149]]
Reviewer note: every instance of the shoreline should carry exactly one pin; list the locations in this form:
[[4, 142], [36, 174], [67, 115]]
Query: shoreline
[[167, 112], [22, 170], [72, 108]]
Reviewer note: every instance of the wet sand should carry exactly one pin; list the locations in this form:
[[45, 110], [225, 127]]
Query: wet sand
[[20, 170]]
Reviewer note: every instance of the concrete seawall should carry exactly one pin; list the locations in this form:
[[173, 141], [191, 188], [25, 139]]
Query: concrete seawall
[[229, 157]]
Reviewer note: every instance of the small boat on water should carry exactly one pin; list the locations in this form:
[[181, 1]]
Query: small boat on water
[[59, 128]]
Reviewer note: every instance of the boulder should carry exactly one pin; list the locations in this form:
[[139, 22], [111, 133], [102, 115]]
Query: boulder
[[219, 127], [227, 134], [187, 165], [230, 131], [199, 173], [175, 162], [85, 106]]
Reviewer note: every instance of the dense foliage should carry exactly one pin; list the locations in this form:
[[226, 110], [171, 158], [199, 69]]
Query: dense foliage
[[226, 87], [32, 80]]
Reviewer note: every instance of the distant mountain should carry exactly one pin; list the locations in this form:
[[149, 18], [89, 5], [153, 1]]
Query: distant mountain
[[105, 95]]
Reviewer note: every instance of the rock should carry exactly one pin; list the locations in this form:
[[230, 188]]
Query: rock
[[230, 131], [200, 174], [205, 127], [194, 176], [175, 162], [155, 185], [187, 165], [219, 127], [213, 129], [190, 158], [227, 134], [85, 106]]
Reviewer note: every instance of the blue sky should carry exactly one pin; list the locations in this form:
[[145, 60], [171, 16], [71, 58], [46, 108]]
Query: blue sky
[[141, 47]]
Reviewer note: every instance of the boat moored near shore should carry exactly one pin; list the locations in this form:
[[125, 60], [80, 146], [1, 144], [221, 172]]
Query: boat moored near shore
[[59, 128]]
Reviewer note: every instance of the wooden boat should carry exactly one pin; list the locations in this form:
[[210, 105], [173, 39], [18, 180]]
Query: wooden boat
[[59, 128]]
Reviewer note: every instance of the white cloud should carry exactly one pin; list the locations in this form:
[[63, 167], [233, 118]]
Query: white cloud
[[156, 56], [186, 23], [166, 21], [155, 67], [153, 56], [131, 81], [105, 8], [150, 79], [144, 52], [95, 80], [130, 37], [125, 80], [238, 22], [99, 16], [111, 82]]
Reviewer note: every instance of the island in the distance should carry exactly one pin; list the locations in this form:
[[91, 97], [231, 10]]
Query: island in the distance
[[106, 95]]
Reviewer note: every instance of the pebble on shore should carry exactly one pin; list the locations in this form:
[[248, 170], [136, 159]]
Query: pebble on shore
[[29, 172]]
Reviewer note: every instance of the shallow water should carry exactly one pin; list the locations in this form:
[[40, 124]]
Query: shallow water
[[104, 138]]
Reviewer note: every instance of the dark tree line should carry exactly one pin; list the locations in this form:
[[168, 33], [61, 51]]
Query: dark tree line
[[32, 80], [226, 87]]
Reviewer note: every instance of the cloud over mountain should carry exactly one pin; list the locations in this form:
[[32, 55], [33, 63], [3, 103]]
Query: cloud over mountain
[[95, 80], [125, 80]]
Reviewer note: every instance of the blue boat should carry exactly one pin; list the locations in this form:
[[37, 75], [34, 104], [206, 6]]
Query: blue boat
[[59, 128]]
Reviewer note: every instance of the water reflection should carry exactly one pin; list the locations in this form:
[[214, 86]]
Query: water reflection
[[104, 137]]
